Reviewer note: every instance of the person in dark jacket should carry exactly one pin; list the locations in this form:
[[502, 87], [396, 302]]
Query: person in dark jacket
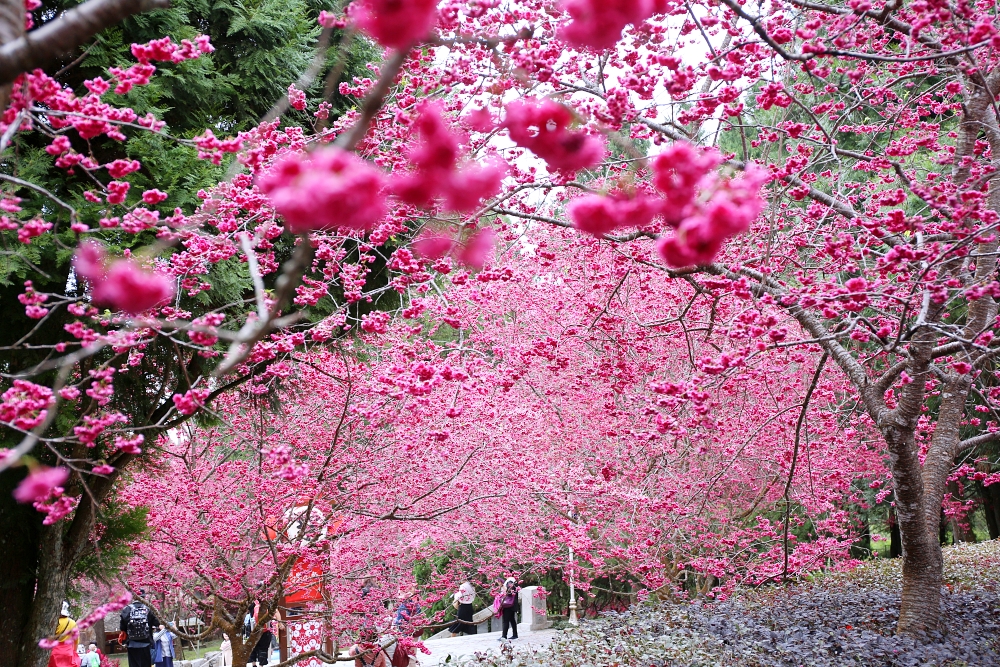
[[138, 622], [262, 650], [508, 607]]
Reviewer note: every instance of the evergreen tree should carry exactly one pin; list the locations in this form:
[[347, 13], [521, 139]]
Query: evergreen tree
[[262, 46]]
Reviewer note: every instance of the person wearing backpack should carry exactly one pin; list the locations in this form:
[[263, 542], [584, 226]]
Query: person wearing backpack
[[368, 652], [138, 622], [507, 600], [261, 654]]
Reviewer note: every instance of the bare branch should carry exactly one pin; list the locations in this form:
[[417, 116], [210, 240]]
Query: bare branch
[[41, 47], [976, 440]]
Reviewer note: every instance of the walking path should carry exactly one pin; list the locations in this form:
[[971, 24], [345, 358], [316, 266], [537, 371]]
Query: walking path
[[467, 646]]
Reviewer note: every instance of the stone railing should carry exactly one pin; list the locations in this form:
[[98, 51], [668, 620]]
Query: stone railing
[[213, 659]]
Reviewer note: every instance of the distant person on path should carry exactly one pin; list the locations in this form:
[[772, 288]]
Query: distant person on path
[[91, 658], [163, 654], [262, 651], [227, 651], [138, 623], [462, 601], [508, 607], [64, 654], [408, 608]]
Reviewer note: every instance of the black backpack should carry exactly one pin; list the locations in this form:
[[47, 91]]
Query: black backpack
[[137, 625]]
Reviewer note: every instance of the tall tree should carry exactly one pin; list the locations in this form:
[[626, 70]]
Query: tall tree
[[261, 51], [891, 276]]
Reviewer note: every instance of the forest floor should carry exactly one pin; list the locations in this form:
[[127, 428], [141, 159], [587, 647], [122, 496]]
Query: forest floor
[[832, 620]]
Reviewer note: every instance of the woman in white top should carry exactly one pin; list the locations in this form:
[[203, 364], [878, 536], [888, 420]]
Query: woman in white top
[[163, 651], [227, 651], [462, 601]]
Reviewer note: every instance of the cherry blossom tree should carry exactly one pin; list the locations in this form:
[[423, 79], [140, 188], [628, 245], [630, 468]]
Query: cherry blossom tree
[[814, 180], [355, 442], [334, 489]]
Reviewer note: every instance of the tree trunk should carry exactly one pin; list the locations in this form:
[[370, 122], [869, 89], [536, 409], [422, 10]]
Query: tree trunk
[[923, 567], [241, 649], [37, 561], [991, 508], [53, 578], [961, 532], [99, 633], [862, 548], [19, 529], [11, 28]]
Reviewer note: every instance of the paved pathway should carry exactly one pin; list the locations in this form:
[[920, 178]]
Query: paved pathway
[[468, 645]]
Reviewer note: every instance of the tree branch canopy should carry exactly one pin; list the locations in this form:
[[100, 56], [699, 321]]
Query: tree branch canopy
[[41, 47]]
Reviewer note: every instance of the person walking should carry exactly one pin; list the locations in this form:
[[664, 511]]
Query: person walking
[[138, 622], [262, 651], [163, 654], [462, 601], [91, 658], [64, 654], [508, 608]]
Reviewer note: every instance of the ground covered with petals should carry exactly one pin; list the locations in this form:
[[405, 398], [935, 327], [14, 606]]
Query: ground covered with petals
[[843, 619]]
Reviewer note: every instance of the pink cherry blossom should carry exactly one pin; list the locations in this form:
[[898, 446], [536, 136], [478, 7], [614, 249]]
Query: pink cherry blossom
[[435, 158], [597, 215], [121, 284], [397, 24], [326, 189], [478, 249], [433, 245], [188, 402], [129, 445], [56, 509], [40, 483], [120, 168], [153, 196], [677, 173], [296, 98], [621, 388], [25, 404], [469, 186], [131, 289], [598, 23], [543, 127]]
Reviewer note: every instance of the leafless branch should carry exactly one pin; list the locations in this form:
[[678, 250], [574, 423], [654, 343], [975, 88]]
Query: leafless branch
[[41, 47]]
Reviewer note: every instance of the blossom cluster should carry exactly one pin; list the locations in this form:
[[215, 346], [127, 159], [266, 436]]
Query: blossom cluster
[[121, 284], [704, 208]]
